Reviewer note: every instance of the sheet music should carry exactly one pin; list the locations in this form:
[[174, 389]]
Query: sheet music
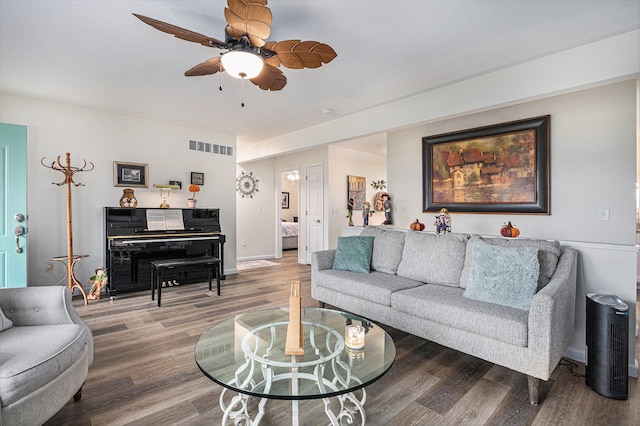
[[164, 220], [173, 219], [155, 220]]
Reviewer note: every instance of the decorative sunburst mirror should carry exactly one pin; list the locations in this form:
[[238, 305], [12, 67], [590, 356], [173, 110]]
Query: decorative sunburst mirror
[[247, 184]]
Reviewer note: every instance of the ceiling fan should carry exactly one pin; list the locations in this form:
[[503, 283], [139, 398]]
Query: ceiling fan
[[246, 53]]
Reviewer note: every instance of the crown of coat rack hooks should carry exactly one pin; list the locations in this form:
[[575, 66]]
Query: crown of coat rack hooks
[[67, 170], [70, 259]]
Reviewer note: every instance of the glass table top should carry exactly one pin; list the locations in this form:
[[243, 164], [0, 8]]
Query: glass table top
[[245, 353]]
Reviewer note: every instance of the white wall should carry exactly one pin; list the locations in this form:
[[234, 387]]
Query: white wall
[[101, 138], [347, 162], [593, 165], [257, 215]]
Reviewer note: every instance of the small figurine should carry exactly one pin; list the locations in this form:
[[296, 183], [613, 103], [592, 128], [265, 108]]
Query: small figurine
[[350, 210], [377, 203], [366, 212], [443, 222], [386, 205], [97, 281]]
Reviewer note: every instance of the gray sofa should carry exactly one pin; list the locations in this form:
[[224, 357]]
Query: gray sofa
[[421, 283], [45, 353]]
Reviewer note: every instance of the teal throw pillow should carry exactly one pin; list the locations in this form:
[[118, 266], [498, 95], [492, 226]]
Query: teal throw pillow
[[353, 254], [504, 275]]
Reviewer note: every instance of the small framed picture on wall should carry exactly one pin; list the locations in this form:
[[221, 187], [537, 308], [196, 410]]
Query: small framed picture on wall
[[197, 178], [135, 175], [285, 200]]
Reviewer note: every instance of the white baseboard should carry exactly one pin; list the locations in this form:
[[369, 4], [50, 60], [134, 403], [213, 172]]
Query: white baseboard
[[251, 258], [575, 354]]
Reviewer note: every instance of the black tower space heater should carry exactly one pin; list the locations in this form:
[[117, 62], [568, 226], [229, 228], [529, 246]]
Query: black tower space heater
[[607, 345]]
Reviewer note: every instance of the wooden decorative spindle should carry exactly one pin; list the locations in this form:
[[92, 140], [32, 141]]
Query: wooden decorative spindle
[[295, 340]]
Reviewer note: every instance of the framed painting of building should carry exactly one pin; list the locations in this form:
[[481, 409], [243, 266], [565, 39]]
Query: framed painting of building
[[502, 168], [357, 190]]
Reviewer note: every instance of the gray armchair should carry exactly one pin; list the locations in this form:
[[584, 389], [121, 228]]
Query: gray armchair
[[44, 355]]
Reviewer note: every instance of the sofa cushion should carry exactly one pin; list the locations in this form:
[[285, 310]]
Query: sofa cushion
[[34, 355], [548, 255], [446, 305], [504, 275], [5, 322], [375, 287], [433, 259], [387, 249], [353, 254]]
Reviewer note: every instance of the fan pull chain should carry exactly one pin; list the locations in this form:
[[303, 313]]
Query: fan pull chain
[[220, 74], [242, 104]]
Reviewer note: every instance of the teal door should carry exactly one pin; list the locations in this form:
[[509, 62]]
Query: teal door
[[13, 206]]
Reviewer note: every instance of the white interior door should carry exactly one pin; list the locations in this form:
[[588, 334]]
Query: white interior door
[[314, 210]]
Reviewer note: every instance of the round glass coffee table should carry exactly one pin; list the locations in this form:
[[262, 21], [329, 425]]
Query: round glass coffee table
[[245, 354]]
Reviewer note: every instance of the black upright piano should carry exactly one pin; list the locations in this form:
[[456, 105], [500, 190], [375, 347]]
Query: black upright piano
[[134, 238]]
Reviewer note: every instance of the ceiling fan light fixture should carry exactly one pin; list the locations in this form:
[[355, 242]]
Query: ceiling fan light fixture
[[242, 64]]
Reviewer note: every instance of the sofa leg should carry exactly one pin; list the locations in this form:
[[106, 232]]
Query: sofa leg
[[78, 394], [321, 304], [534, 389]]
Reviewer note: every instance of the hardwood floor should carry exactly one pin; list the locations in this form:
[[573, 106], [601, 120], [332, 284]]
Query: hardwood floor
[[144, 371]]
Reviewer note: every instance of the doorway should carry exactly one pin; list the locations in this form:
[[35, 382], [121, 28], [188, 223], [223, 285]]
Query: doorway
[[289, 217]]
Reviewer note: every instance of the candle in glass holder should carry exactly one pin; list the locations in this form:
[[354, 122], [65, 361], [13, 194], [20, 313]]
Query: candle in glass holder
[[354, 336], [354, 355]]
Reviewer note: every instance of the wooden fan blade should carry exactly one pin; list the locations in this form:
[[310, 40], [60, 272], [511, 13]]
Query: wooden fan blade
[[211, 66], [271, 78], [301, 54], [182, 33], [250, 17]]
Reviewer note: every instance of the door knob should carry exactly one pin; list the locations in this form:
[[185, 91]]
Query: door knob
[[19, 217], [18, 230]]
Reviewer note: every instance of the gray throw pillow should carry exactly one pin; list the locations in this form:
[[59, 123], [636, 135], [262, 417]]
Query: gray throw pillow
[[5, 322], [504, 275], [433, 259], [387, 249], [548, 255], [353, 254]]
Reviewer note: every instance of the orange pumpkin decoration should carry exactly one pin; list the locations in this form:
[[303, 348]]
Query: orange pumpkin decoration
[[194, 188], [417, 226], [508, 230]]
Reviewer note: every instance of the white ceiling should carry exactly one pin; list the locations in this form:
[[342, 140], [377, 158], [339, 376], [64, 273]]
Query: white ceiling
[[95, 54]]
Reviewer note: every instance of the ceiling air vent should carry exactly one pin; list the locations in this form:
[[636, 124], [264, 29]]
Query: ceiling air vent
[[210, 148]]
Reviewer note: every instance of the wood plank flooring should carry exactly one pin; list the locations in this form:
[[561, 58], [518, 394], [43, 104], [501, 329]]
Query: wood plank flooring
[[144, 371]]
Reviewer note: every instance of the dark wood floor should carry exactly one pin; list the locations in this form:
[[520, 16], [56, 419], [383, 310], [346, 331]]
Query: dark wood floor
[[144, 371]]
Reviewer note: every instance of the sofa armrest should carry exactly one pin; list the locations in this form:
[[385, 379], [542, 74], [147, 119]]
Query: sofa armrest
[[47, 305], [322, 259], [38, 306], [552, 314]]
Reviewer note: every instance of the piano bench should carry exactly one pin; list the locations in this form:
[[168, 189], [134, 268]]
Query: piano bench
[[160, 267]]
